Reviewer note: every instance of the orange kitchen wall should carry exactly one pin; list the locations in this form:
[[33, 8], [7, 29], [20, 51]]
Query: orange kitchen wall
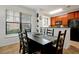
[[65, 18]]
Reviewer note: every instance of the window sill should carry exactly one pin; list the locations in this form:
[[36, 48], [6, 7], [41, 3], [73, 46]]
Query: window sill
[[12, 35]]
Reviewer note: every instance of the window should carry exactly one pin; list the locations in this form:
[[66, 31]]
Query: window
[[12, 21], [26, 22], [45, 22]]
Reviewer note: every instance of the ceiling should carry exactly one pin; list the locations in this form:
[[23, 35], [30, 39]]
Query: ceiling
[[45, 9]]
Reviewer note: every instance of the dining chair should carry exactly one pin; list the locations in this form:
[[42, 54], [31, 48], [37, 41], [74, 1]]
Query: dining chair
[[32, 47], [58, 47], [50, 31], [21, 42], [26, 43], [42, 30]]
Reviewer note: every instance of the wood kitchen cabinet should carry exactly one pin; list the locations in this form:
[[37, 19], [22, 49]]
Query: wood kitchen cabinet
[[53, 20], [78, 14], [73, 15], [65, 18]]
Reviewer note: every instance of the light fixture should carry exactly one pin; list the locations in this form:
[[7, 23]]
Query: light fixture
[[56, 11]]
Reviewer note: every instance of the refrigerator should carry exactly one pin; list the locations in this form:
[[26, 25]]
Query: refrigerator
[[74, 25]]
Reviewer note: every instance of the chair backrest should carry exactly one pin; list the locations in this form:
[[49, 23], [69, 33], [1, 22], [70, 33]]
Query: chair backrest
[[26, 34], [50, 32], [28, 41], [20, 36], [60, 41], [26, 38]]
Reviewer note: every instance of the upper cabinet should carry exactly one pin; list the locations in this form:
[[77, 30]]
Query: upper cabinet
[[64, 18], [53, 20], [73, 15]]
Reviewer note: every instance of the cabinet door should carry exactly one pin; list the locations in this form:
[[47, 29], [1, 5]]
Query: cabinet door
[[71, 15], [64, 20], [59, 18], [76, 15], [56, 18], [53, 19], [51, 22]]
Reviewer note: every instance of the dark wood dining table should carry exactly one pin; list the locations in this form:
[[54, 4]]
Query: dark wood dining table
[[41, 41]]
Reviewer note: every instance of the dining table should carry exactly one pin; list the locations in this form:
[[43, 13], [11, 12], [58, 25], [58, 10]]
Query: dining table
[[42, 42]]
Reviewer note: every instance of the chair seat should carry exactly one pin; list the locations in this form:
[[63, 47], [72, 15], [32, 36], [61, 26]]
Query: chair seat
[[58, 45], [56, 51], [25, 44], [54, 45]]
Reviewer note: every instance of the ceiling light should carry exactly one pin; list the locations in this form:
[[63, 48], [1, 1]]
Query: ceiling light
[[56, 11]]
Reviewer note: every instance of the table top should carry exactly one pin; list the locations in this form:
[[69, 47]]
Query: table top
[[42, 39]]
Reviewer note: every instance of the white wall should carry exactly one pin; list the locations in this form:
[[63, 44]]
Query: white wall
[[4, 39]]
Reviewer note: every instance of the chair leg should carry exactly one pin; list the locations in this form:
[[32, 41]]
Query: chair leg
[[60, 52], [23, 51], [20, 48]]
